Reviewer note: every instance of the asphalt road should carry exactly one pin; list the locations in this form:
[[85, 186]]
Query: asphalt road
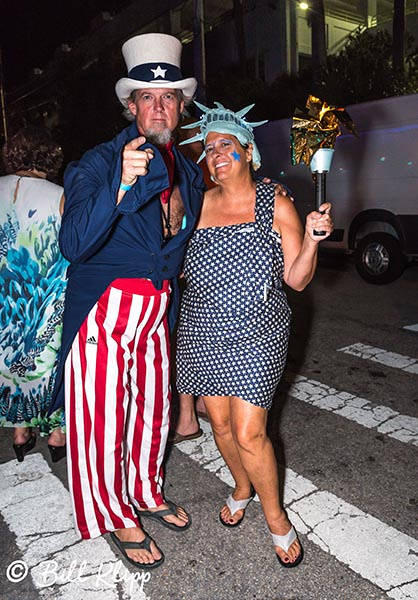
[[345, 428]]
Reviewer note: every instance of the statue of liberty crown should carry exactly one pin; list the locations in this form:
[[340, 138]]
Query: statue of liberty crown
[[224, 120]]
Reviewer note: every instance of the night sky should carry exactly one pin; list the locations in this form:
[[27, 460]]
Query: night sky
[[31, 30]]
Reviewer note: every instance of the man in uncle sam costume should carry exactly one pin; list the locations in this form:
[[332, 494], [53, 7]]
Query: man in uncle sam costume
[[131, 206]]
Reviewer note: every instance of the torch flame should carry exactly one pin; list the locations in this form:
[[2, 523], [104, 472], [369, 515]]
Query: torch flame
[[318, 127]]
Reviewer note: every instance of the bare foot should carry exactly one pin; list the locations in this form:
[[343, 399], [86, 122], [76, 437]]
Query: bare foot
[[187, 422], [282, 526], [21, 435], [200, 406], [136, 534], [57, 438], [225, 513], [187, 427], [180, 520]]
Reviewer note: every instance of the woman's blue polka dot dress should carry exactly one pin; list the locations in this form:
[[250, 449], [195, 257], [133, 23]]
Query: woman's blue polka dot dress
[[234, 321]]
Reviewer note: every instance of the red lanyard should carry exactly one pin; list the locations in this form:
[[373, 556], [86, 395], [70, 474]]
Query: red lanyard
[[168, 156]]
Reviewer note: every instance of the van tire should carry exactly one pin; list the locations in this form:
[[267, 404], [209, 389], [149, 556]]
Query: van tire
[[378, 258]]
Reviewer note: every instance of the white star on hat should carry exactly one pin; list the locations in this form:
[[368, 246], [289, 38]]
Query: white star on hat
[[159, 72]]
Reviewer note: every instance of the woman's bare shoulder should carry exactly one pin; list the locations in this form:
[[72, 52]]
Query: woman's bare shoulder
[[283, 203], [285, 213]]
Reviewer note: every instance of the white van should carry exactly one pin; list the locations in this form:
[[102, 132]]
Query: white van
[[372, 183]]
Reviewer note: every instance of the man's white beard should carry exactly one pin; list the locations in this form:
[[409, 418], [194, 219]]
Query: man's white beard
[[158, 138]]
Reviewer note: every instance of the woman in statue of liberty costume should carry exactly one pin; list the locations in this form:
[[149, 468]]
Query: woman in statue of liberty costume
[[234, 321], [32, 287]]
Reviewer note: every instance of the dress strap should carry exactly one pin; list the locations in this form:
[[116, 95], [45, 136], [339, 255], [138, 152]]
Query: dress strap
[[264, 207], [264, 213]]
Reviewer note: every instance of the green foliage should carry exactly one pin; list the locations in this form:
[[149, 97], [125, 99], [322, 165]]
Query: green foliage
[[363, 70], [82, 109]]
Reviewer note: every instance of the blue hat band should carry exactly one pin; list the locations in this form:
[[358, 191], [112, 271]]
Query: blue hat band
[[156, 72]]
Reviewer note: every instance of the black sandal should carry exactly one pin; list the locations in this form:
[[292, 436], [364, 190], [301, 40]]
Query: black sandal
[[159, 514], [144, 545], [234, 506], [284, 542], [22, 449]]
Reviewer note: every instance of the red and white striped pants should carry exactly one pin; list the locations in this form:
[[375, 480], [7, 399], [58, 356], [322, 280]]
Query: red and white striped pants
[[117, 403]]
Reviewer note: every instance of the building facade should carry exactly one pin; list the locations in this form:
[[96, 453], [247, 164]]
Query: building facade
[[264, 38]]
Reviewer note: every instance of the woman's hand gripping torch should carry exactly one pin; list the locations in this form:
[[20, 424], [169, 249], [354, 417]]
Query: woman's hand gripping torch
[[312, 139], [320, 165]]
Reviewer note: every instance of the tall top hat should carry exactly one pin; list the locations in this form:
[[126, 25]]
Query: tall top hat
[[153, 61]]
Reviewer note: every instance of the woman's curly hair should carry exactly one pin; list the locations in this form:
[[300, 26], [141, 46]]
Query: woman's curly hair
[[32, 148]]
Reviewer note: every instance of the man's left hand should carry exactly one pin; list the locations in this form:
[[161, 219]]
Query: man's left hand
[[278, 187]]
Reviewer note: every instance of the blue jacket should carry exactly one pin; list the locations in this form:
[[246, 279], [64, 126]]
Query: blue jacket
[[104, 241]]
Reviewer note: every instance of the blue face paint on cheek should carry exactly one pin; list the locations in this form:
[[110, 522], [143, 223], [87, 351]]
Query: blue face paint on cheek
[[236, 156]]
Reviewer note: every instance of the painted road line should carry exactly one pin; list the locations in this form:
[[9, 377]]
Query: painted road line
[[61, 565], [385, 556], [389, 359], [373, 416], [411, 327]]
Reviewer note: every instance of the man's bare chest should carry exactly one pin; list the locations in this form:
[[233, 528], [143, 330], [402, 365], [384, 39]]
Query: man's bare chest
[[172, 213]]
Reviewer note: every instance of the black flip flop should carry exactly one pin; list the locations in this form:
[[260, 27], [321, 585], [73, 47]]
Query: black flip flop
[[284, 542], [234, 506], [290, 565], [144, 545], [159, 514]]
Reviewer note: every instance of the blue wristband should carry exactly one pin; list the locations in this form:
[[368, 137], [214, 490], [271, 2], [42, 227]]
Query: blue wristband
[[125, 187]]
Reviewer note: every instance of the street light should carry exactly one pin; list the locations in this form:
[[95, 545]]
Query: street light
[[303, 5]]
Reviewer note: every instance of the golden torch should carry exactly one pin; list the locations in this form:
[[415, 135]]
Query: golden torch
[[312, 139]]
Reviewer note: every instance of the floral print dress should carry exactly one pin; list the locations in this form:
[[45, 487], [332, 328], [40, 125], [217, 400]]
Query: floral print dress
[[32, 288]]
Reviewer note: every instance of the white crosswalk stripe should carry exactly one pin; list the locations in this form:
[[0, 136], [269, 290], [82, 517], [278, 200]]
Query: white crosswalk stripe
[[386, 420], [389, 359], [61, 564], [57, 560], [386, 557]]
